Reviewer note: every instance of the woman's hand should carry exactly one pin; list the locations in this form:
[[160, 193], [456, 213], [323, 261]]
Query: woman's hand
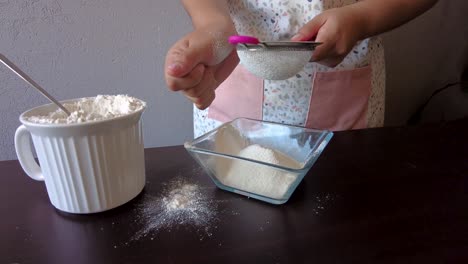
[[338, 30], [198, 63]]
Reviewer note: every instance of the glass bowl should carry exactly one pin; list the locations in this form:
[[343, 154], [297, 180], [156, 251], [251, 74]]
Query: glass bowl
[[258, 159]]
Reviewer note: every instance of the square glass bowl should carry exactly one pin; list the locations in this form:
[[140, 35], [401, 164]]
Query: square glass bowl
[[258, 159]]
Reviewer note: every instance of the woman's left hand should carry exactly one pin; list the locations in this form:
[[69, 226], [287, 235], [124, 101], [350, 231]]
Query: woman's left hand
[[338, 30]]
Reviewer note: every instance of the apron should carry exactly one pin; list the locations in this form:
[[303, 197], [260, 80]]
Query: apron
[[349, 96]]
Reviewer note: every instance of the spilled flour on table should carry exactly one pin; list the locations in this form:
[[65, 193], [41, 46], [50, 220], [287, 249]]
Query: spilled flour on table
[[181, 203], [322, 202]]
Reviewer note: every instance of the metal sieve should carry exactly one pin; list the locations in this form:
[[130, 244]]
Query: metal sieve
[[275, 60]]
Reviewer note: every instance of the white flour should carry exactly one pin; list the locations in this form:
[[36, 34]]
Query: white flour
[[181, 204], [274, 65], [249, 176], [97, 108], [221, 48], [257, 178]]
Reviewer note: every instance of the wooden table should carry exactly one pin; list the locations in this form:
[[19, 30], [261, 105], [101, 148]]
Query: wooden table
[[388, 195]]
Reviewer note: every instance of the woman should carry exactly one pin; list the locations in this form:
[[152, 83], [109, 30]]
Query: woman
[[342, 88]]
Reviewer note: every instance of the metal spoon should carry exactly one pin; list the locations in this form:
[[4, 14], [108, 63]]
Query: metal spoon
[[30, 81]]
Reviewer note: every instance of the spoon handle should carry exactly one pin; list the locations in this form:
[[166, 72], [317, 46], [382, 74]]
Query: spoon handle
[[31, 82]]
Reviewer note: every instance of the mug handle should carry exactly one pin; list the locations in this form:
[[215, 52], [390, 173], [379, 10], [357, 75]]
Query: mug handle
[[25, 155]]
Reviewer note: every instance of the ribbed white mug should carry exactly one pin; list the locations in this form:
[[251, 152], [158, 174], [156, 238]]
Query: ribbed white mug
[[87, 167]]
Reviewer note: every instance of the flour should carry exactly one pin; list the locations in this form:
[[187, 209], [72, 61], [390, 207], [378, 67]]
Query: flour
[[97, 108], [249, 176], [181, 203], [221, 48], [273, 64], [257, 178]]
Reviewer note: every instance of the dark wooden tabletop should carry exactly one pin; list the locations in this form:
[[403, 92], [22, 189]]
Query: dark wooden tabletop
[[387, 195]]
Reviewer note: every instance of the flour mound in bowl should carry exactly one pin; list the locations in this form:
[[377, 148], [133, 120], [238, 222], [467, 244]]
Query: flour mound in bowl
[[257, 178]]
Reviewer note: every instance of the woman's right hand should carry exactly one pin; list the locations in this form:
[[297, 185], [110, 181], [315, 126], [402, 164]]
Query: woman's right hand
[[198, 63]]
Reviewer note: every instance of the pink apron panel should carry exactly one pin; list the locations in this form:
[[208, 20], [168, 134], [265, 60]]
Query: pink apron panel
[[240, 95], [339, 99]]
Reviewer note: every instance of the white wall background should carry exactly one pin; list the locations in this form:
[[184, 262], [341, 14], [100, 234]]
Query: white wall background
[[77, 48]]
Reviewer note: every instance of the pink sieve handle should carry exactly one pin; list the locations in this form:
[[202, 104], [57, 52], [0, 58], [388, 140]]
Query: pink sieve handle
[[243, 40]]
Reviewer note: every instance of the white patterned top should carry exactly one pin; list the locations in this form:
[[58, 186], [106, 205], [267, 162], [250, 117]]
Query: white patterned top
[[287, 101]]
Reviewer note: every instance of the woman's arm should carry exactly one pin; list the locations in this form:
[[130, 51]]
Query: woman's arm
[[340, 28], [206, 13], [379, 16], [200, 61]]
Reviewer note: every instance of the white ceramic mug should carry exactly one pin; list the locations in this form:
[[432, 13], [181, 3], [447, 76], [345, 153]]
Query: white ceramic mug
[[87, 167]]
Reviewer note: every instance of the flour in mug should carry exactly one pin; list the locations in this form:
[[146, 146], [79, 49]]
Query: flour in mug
[[97, 108]]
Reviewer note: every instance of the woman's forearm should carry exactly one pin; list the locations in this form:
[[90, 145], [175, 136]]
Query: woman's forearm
[[208, 13], [379, 16]]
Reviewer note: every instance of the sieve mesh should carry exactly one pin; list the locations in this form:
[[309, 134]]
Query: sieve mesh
[[274, 64], [275, 60]]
